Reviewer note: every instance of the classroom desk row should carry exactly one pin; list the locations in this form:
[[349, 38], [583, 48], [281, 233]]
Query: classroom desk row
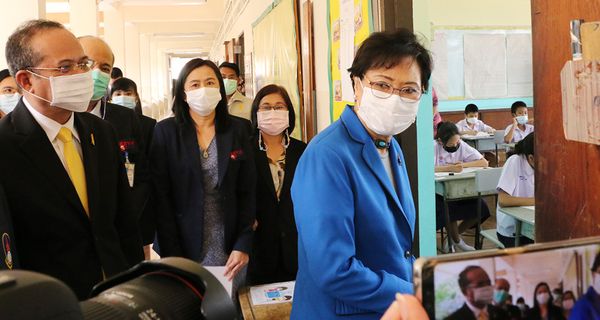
[[461, 186]]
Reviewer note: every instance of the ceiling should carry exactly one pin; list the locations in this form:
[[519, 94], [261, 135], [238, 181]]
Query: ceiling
[[185, 27]]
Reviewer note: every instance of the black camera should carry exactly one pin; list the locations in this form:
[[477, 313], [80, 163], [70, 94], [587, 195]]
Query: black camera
[[170, 288]]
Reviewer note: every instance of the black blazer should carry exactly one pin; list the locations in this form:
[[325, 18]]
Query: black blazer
[[275, 249], [177, 176], [147, 126], [53, 233], [132, 140], [8, 254], [464, 313], [554, 313]]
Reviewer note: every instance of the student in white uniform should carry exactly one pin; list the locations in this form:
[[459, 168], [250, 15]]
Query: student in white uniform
[[516, 188], [520, 127], [471, 124], [452, 155]]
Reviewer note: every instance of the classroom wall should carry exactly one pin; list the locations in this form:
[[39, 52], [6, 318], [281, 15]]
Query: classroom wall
[[480, 12]]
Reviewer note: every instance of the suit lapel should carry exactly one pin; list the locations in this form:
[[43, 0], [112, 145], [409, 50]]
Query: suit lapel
[[396, 161], [291, 159], [265, 171], [373, 161], [192, 150], [90, 162], [224, 148], [41, 153]]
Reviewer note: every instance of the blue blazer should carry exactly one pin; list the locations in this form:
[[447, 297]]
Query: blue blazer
[[355, 230], [179, 194]]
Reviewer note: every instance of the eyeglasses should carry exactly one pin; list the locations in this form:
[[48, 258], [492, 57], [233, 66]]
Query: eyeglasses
[[384, 90], [276, 108], [67, 68]]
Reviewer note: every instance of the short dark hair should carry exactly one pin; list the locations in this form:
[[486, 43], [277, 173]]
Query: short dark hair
[[388, 49], [517, 105], [265, 91], [446, 130], [470, 108], [463, 282], [181, 109], [127, 84], [232, 66], [520, 299], [19, 53], [116, 73], [596, 263], [4, 74], [524, 147]]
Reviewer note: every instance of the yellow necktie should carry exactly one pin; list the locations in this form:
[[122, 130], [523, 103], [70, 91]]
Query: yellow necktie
[[74, 166], [483, 315]]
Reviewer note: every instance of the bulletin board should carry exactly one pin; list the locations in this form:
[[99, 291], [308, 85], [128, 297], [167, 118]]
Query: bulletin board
[[350, 23], [478, 63], [275, 54]]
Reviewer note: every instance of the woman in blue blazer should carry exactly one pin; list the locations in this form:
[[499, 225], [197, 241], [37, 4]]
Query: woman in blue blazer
[[204, 174], [352, 200]]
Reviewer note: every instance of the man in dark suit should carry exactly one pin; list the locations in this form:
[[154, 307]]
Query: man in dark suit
[[127, 125], [477, 289], [501, 299], [64, 180]]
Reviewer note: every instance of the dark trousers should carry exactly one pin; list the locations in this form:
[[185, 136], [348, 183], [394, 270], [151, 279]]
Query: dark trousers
[[509, 242]]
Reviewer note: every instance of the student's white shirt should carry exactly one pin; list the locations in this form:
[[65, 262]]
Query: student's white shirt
[[465, 153], [519, 134], [51, 128], [518, 180], [479, 126]]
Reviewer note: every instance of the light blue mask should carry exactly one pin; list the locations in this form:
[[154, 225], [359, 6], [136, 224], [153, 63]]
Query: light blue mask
[[125, 101], [9, 101], [101, 81], [522, 119], [500, 296]]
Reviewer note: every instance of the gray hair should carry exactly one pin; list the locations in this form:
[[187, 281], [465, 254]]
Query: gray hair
[[19, 53]]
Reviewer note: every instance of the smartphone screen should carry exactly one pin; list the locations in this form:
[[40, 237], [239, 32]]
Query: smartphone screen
[[454, 284]]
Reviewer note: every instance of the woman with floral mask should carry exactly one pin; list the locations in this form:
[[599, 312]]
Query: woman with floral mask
[[588, 305], [275, 249], [353, 204], [204, 175], [543, 308], [452, 155]]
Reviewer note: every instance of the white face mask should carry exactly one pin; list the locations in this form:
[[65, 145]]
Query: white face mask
[[483, 295], [522, 119], [472, 120], [542, 298], [9, 101], [125, 101], [273, 122], [389, 116], [204, 100], [72, 92]]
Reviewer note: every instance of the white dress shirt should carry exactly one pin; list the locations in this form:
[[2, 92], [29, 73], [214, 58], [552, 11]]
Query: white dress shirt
[[97, 109], [51, 128]]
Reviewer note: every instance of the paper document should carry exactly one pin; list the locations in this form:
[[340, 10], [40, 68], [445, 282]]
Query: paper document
[[529, 207], [218, 273], [272, 293]]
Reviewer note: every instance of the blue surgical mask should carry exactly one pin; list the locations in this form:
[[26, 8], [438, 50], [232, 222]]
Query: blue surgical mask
[[500, 296], [522, 119], [230, 86], [9, 101], [125, 101]]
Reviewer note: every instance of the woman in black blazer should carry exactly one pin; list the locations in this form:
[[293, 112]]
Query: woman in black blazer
[[275, 250], [204, 174]]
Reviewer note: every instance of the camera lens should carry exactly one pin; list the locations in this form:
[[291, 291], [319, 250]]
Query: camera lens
[[155, 295]]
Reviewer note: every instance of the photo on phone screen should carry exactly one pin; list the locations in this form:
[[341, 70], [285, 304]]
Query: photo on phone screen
[[507, 283]]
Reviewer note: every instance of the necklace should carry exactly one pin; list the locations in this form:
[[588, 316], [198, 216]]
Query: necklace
[[204, 153]]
